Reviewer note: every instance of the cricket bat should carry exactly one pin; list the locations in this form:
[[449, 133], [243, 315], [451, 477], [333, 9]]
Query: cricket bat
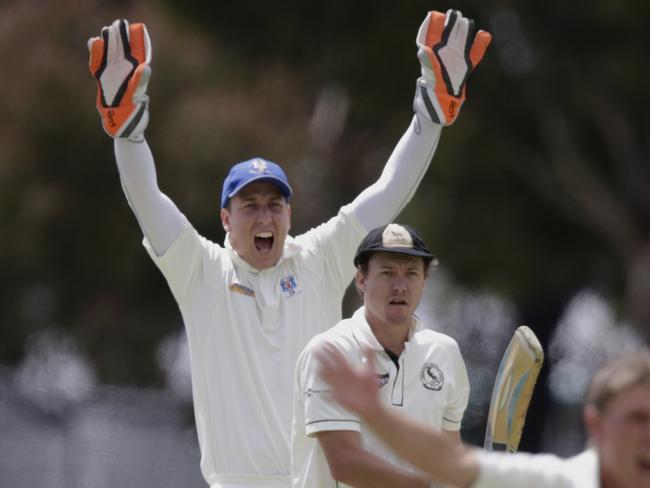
[[512, 391]]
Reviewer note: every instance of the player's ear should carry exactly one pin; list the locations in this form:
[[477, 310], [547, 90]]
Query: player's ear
[[592, 420], [360, 281], [225, 219]]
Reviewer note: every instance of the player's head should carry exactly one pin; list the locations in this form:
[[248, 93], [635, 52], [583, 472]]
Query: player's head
[[254, 170], [617, 417], [255, 211], [392, 265]]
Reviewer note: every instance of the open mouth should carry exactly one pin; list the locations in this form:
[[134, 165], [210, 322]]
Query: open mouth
[[263, 241], [398, 301]]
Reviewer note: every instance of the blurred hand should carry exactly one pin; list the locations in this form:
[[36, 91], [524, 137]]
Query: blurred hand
[[448, 52], [356, 388], [119, 60]]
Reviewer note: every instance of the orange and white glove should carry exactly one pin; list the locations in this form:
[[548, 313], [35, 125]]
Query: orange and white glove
[[448, 52], [119, 60]]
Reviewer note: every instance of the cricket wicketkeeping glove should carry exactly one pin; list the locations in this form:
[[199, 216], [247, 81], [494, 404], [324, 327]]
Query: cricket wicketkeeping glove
[[448, 52], [119, 60]]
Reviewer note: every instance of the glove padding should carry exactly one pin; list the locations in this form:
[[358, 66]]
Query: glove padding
[[119, 60], [448, 53]]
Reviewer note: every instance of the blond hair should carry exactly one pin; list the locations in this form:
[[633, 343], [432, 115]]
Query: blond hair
[[616, 376]]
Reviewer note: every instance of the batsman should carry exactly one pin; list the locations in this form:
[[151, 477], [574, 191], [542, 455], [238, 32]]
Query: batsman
[[250, 306]]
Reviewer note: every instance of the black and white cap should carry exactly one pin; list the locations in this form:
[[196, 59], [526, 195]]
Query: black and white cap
[[396, 238]]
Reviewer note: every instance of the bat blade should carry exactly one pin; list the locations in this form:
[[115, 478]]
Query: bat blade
[[512, 391]]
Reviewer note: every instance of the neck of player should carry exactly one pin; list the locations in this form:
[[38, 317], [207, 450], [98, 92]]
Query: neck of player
[[391, 336]]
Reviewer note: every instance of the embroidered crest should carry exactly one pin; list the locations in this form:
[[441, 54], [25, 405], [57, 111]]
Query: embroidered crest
[[258, 166], [432, 377], [289, 286], [244, 290], [395, 235], [382, 379]]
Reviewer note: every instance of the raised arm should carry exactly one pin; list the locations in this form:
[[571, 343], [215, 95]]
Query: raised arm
[[119, 60], [350, 461], [159, 218], [351, 464], [448, 51], [431, 450]]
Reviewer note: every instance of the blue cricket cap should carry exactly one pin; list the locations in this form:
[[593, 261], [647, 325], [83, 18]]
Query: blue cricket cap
[[247, 172]]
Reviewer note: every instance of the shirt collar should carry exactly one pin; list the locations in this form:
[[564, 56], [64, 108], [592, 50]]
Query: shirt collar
[[364, 335], [291, 248]]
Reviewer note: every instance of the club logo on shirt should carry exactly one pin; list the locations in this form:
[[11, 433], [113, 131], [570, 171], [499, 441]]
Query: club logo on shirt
[[432, 377], [382, 379], [244, 290], [289, 286]]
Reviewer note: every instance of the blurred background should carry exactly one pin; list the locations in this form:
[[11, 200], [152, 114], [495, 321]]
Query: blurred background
[[537, 203]]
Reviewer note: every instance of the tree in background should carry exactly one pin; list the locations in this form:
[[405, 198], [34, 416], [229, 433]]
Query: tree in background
[[540, 191]]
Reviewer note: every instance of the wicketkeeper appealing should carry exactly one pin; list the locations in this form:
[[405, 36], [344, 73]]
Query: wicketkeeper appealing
[[251, 306]]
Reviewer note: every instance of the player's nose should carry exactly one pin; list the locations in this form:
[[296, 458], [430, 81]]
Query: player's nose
[[399, 284], [263, 214]]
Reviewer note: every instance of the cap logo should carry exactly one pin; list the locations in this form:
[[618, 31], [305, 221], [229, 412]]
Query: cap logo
[[258, 166], [395, 235]]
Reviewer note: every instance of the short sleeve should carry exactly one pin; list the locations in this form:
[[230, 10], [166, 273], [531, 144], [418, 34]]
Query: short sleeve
[[500, 470], [321, 412], [459, 395], [336, 242], [181, 263]]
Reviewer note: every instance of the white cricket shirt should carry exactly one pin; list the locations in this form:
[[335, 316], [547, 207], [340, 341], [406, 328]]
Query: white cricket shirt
[[501, 470], [245, 331], [430, 385]]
